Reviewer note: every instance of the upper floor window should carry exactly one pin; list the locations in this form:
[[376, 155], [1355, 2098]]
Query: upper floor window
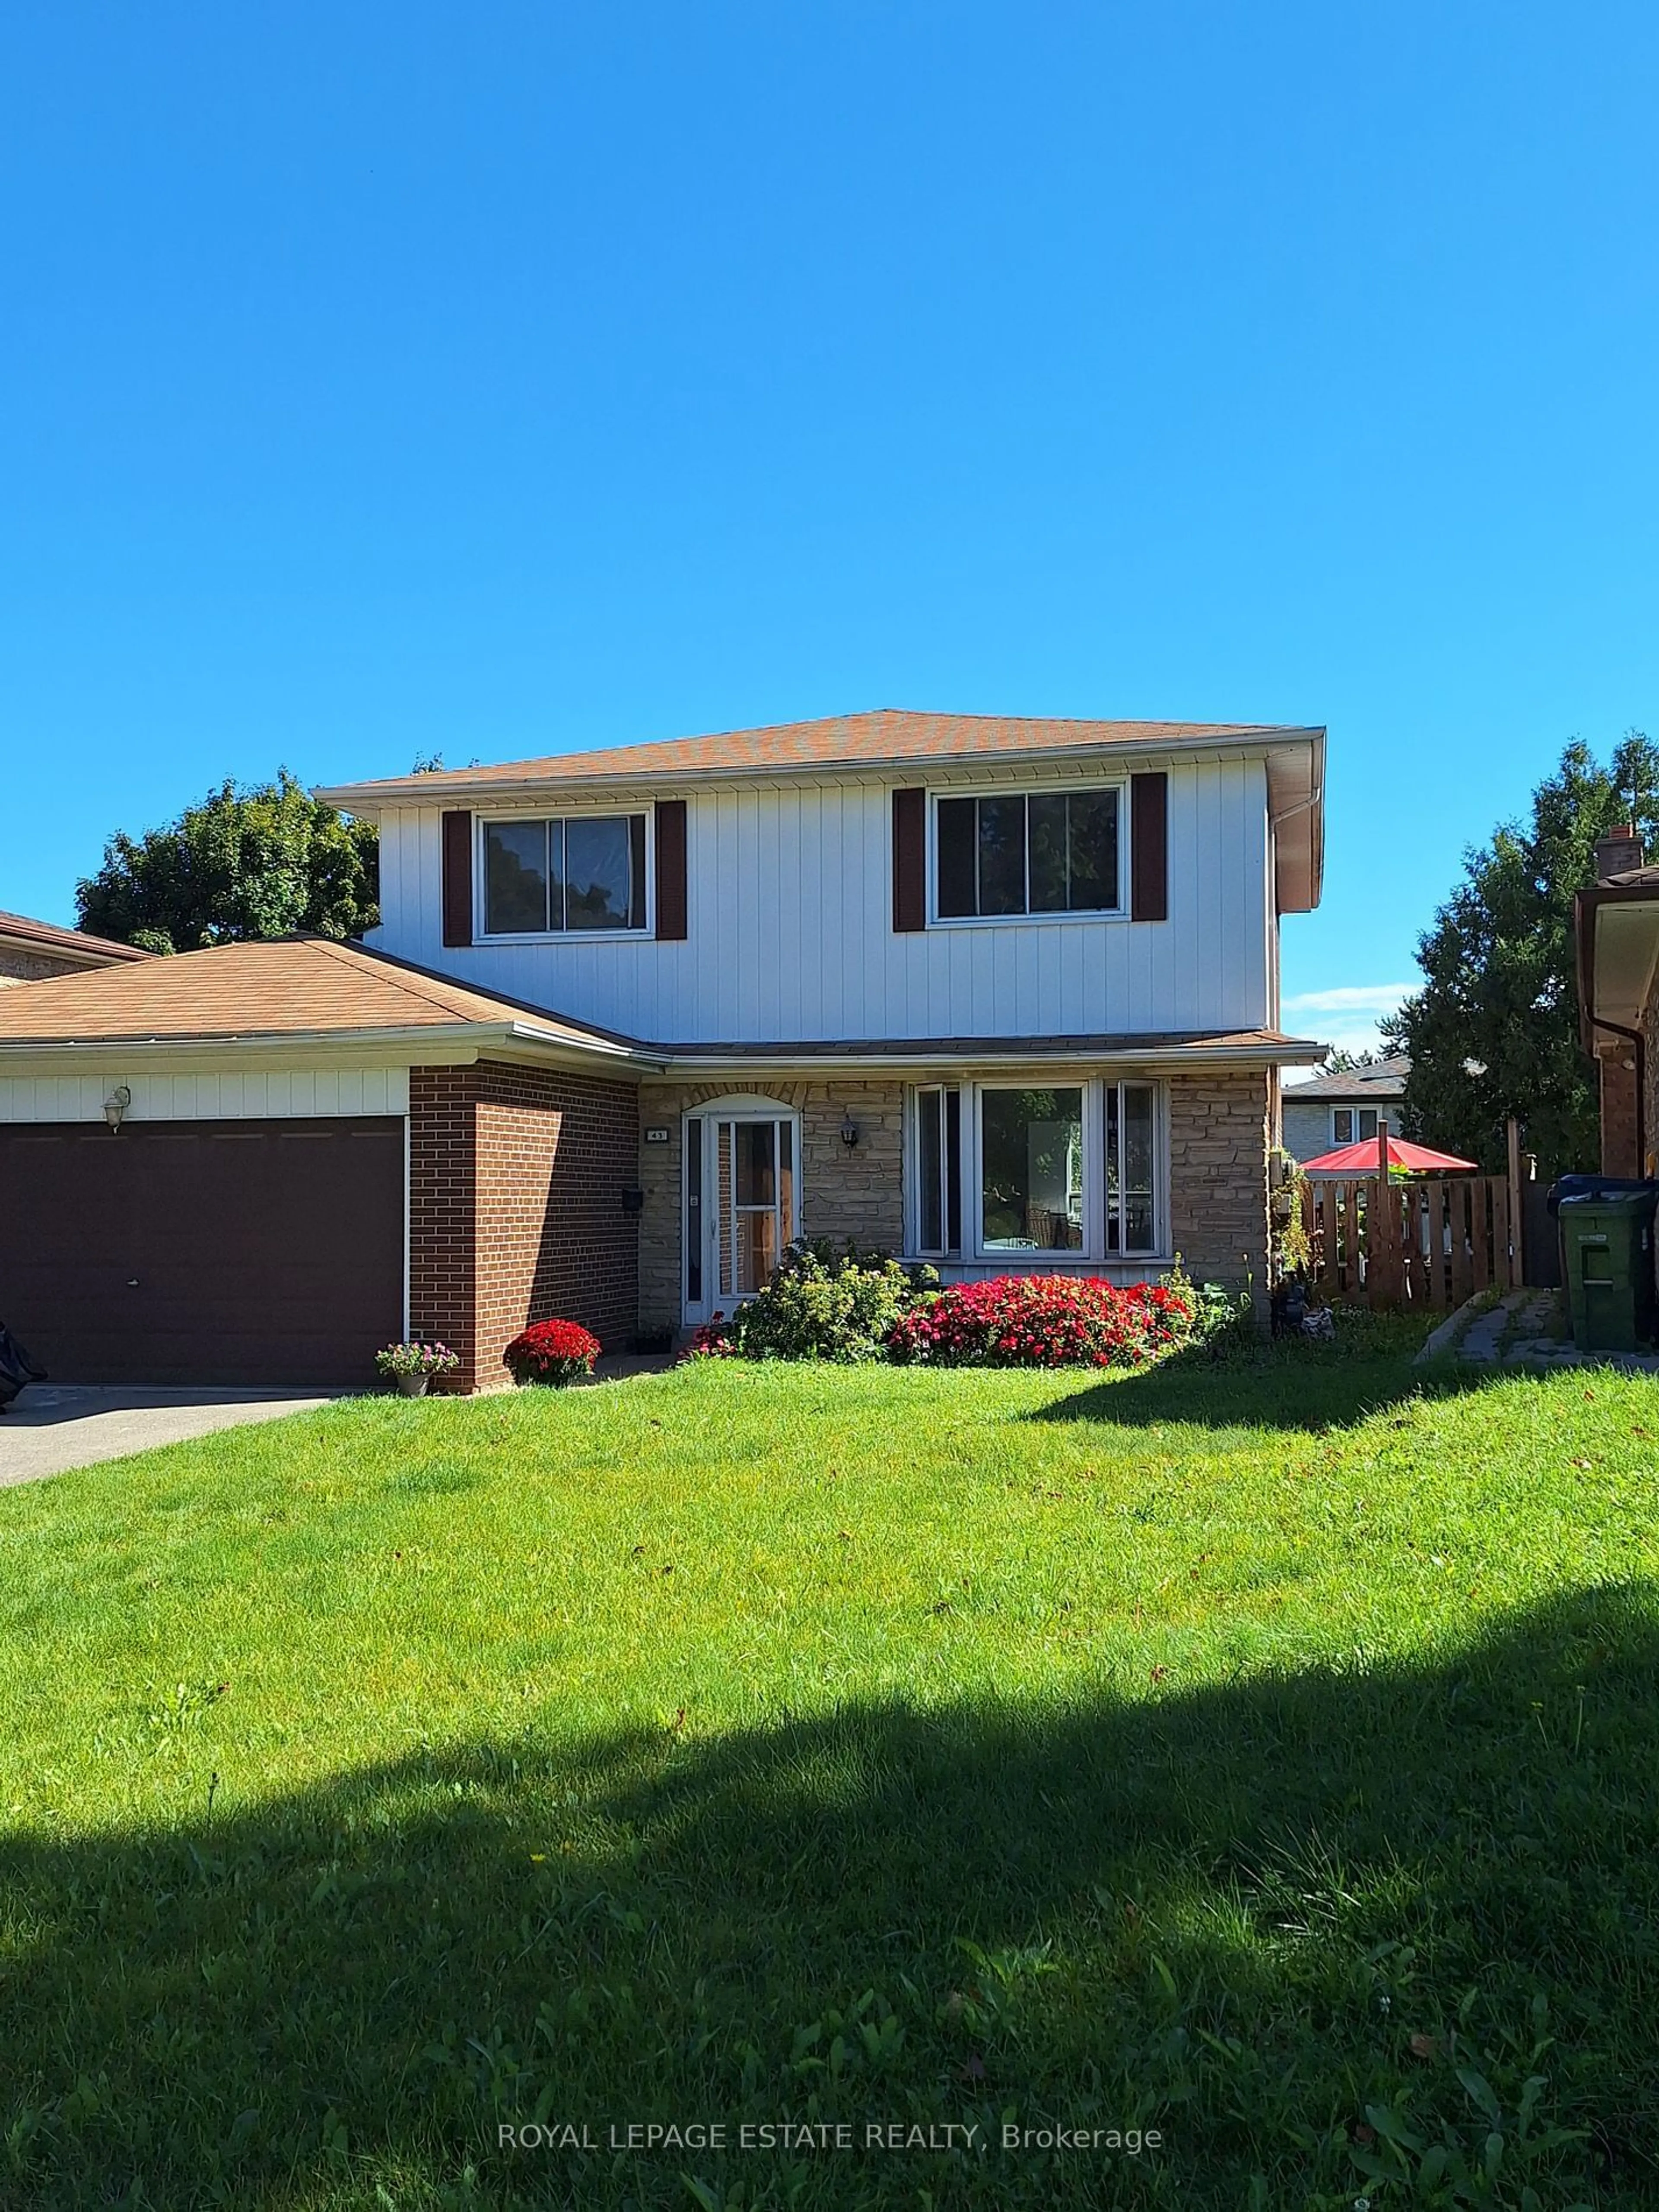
[[1353, 1124], [1037, 852], [582, 871]]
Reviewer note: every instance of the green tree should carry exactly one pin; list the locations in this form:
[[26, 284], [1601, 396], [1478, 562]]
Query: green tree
[[261, 862], [1494, 1030]]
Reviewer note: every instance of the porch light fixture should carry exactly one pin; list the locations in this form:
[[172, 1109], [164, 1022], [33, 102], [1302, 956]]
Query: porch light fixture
[[850, 1132], [115, 1107]]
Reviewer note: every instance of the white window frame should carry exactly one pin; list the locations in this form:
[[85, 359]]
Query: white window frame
[[1062, 788], [605, 812], [914, 1094], [1094, 1251], [1356, 1115]]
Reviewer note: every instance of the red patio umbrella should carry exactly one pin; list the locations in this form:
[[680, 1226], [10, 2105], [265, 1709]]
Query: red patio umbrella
[[1361, 1160]]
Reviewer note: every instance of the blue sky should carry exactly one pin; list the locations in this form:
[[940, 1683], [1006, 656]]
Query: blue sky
[[382, 380]]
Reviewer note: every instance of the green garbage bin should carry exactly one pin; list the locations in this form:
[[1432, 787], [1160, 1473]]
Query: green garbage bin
[[1606, 1249]]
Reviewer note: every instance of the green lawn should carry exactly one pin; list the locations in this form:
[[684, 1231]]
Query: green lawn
[[1264, 1757]]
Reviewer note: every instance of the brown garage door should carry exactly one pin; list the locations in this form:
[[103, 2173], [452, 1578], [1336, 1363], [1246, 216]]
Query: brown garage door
[[248, 1252]]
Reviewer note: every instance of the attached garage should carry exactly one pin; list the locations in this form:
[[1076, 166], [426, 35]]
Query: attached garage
[[317, 1151], [259, 1252]]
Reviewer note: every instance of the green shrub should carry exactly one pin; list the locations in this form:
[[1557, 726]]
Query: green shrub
[[825, 1304], [1223, 1322]]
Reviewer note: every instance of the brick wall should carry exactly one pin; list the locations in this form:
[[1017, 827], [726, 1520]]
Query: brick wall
[[516, 1176], [856, 1192], [1621, 1137], [1219, 1129], [17, 966]]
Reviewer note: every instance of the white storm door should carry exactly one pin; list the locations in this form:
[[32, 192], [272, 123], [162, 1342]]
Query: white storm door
[[742, 1206]]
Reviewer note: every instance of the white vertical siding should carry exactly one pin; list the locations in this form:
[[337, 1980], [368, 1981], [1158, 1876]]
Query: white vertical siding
[[279, 1094], [790, 904]]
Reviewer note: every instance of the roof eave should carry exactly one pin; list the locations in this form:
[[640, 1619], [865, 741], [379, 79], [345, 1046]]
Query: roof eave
[[415, 1044], [684, 1063], [458, 785], [1588, 907]]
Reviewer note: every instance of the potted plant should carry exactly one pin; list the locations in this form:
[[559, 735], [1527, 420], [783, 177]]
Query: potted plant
[[555, 1352], [412, 1366]]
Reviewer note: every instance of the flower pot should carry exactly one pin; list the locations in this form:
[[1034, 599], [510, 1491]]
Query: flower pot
[[413, 1386]]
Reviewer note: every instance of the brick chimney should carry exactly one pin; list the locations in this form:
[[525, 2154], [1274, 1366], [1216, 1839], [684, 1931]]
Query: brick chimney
[[1617, 853]]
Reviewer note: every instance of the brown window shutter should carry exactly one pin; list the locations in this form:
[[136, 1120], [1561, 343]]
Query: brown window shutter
[[909, 860], [636, 871], [1149, 847], [670, 867], [457, 878]]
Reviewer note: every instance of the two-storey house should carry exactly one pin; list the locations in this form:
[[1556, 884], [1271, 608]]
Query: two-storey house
[[1001, 994]]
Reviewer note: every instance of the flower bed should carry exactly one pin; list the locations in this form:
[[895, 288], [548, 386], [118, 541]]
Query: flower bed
[[555, 1352], [1044, 1321], [822, 1306]]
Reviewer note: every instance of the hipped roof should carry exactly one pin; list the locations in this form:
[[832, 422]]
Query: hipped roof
[[901, 741], [314, 989], [286, 988]]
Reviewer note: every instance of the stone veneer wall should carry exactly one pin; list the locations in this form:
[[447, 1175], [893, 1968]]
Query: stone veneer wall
[[1221, 1128], [857, 1191], [1220, 1132]]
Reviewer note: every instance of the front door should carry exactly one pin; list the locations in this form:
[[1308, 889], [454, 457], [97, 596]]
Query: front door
[[742, 1200]]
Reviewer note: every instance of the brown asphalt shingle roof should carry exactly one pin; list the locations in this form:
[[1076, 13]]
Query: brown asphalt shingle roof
[[23, 929], [1382, 1078], [295, 986], [888, 734], [311, 986], [1114, 1045]]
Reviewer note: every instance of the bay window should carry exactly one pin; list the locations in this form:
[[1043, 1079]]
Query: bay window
[[1131, 1168], [936, 1160], [1030, 1187], [1016, 1173]]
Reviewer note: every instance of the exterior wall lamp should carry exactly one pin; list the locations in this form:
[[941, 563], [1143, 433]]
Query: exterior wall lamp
[[115, 1107], [850, 1132]]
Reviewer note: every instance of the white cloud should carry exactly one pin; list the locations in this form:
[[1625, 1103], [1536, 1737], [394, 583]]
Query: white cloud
[[1351, 999], [1346, 1016]]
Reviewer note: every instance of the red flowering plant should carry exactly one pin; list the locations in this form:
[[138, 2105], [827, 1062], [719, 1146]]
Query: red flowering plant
[[1044, 1321], [554, 1351], [710, 1342]]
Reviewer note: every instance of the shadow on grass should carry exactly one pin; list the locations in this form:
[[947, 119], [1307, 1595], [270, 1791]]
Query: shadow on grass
[[1286, 1384], [1296, 1925]]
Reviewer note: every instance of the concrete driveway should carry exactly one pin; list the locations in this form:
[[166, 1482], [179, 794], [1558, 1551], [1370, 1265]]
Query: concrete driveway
[[51, 1427]]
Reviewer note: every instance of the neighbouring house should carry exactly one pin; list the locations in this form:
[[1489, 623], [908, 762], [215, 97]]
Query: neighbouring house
[[31, 951], [1001, 995], [1617, 923], [1345, 1107]]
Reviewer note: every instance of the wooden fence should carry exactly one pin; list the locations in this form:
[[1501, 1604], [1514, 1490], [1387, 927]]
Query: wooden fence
[[1433, 1241]]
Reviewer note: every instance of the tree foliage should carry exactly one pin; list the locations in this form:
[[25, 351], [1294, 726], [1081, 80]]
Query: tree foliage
[[1494, 1030], [261, 862]]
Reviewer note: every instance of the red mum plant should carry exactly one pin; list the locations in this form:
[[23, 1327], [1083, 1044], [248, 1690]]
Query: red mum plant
[[711, 1341], [554, 1351], [1043, 1320]]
